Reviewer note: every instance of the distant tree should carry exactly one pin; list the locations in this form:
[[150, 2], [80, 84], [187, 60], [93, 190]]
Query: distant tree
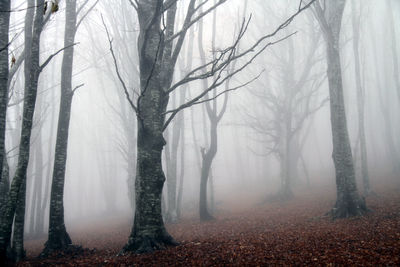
[[348, 203], [287, 102], [214, 115], [356, 17]]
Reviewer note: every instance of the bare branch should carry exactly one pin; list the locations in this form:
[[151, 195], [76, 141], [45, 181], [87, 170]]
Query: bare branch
[[87, 12], [77, 87], [117, 69], [53, 55]]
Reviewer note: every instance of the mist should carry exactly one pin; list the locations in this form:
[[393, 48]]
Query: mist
[[240, 106]]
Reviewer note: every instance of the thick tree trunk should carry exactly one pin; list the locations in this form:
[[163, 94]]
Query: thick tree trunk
[[156, 71], [208, 157], [4, 28], [148, 231], [348, 201], [58, 238], [32, 71]]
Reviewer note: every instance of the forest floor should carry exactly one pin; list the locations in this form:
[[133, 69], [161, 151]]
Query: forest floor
[[294, 232]]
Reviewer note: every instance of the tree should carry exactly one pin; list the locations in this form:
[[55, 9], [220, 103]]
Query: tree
[[287, 102], [348, 202], [360, 98], [15, 202], [159, 46], [16, 197], [4, 72], [58, 238], [214, 116]]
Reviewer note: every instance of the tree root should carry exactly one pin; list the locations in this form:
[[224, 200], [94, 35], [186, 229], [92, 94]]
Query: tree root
[[140, 244]]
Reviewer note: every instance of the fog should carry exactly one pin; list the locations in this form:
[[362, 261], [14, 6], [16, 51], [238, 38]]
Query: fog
[[283, 94]]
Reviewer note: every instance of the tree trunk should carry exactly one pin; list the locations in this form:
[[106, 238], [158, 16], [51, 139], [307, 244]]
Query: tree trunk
[[148, 231], [348, 201], [4, 28], [58, 238], [360, 101], [17, 249], [32, 71], [156, 71], [205, 170], [4, 185]]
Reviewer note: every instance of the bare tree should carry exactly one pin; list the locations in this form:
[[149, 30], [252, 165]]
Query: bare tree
[[159, 46], [287, 102], [348, 203]]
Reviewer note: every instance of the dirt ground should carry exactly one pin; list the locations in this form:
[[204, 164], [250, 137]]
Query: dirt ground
[[294, 232]]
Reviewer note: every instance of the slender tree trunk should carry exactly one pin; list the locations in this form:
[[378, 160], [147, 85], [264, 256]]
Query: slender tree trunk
[[360, 100], [4, 70], [32, 71], [208, 157], [182, 171], [58, 238], [37, 213], [394, 47], [17, 249], [4, 185]]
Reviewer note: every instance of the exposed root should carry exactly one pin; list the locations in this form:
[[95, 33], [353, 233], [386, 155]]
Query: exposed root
[[140, 244], [62, 243], [349, 209]]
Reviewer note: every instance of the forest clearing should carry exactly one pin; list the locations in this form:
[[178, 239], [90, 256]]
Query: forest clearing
[[252, 234]]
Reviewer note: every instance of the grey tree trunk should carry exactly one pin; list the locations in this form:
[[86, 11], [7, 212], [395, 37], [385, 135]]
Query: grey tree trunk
[[360, 100], [4, 70], [58, 238], [4, 185], [394, 49], [32, 71], [172, 176], [17, 248], [208, 158], [348, 202], [156, 71]]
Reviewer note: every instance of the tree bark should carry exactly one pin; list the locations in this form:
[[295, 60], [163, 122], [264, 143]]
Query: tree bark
[[4, 70], [59, 238], [348, 201], [156, 71], [32, 71]]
